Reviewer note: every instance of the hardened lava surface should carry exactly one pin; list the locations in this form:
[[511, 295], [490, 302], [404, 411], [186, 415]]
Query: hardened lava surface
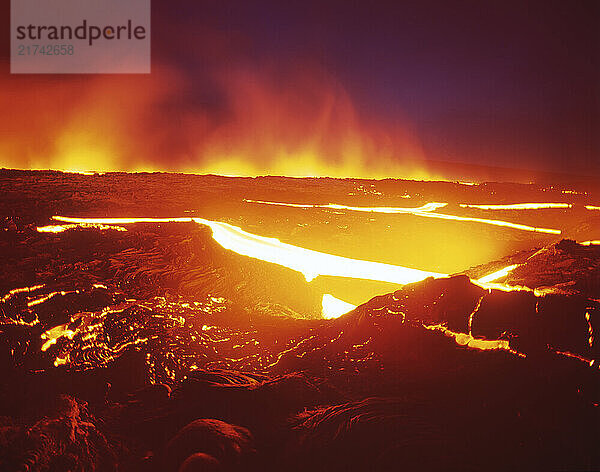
[[153, 348]]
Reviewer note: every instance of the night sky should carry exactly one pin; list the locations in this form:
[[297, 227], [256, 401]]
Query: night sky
[[510, 84]]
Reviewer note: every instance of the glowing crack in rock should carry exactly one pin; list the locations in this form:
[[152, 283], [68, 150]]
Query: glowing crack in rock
[[40, 300], [537, 291], [310, 263], [519, 206], [54, 228], [465, 339], [119, 221], [498, 274], [428, 211], [334, 307], [61, 228], [16, 291]]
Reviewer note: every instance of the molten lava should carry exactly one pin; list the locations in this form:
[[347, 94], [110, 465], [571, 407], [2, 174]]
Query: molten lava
[[498, 274], [334, 307], [427, 211], [519, 206], [432, 206], [310, 263]]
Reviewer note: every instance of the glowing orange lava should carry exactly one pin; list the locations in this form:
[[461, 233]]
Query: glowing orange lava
[[306, 261], [518, 206], [432, 206], [310, 263], [61, 228], [54, 334], [498, 274], [334, 307], [464, 339], [15, 291], [427, 211]]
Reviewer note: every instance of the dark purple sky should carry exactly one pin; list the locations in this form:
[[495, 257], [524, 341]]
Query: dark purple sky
[[505, 83], [514, 83]]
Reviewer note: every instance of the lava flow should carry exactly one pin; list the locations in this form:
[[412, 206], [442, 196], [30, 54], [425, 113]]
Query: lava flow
[[310, 263], [427, 211], [199, 305]]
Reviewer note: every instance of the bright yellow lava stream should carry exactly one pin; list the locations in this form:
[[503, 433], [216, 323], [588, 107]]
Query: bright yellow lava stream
[[61, 228], [432, 206], [519, 206], [427, 211], [498, 274], [308, 262]]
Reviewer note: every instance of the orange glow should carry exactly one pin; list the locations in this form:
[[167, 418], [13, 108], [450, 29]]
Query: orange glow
[[54, 334], [61, 228], [585, 360], [519, 206], [61, 361], [592, 207], [267, 121], [54, 228], [308, 262], [427, 211], [591, 243], [334, 307]]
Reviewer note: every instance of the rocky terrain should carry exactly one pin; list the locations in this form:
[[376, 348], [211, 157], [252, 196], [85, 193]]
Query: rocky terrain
[[156, 349]]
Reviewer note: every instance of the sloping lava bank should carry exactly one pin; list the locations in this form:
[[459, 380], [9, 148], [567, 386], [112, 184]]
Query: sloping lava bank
[[566, 267], [151, 260]]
